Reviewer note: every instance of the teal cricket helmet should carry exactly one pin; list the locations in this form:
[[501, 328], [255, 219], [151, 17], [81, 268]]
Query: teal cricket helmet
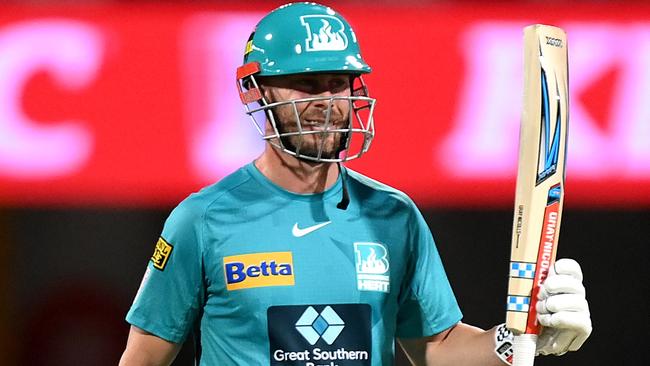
[[302, 38]]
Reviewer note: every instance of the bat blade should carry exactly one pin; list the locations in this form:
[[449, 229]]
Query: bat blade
[[541, 172]]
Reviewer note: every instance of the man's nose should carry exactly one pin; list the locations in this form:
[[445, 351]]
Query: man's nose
[[324, 92], [324, 103]]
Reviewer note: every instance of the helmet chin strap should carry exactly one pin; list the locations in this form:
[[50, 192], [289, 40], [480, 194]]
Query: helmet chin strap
[[345, 199]]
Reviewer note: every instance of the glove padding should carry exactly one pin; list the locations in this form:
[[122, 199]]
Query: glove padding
[[563, 310]]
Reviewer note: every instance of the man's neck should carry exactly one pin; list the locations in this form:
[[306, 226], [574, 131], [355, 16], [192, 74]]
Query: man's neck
[[296, 175]]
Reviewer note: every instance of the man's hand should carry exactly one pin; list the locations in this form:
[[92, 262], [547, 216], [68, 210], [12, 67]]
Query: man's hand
[[563, 310]]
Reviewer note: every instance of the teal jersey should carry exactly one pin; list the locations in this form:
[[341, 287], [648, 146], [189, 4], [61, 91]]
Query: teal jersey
[[270, 277]]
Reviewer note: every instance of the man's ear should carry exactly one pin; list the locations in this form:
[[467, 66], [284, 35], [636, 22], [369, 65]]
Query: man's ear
[[247, 83], [262, 87]]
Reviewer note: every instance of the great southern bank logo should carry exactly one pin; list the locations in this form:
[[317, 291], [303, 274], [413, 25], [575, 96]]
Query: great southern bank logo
[[372, 267], [258, 270], [326, 325], [316, 335]]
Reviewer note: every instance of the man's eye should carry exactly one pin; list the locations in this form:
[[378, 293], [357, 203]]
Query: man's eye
[[338, 84], [304, 83]]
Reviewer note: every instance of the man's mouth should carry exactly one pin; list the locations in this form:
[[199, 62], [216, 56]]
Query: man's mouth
[[319, 125]]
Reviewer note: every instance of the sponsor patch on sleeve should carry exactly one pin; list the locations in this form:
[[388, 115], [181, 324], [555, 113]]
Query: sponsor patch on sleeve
[[161, 254]]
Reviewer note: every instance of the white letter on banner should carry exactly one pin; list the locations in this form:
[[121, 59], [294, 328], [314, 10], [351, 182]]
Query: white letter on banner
[[484, 139], [70, 52], [220, 135]]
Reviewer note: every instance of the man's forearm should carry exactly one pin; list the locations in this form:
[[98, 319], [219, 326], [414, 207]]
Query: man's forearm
[[145, 349], [463, 345]]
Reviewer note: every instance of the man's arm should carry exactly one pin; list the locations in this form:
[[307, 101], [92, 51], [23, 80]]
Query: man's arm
[[460, 345], [145, 349], [562, 309]]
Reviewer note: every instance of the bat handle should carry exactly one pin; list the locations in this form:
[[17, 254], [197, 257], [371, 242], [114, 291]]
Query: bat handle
[[524, 349]]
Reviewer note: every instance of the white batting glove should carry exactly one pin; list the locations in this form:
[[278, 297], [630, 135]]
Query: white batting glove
[[563, 310]]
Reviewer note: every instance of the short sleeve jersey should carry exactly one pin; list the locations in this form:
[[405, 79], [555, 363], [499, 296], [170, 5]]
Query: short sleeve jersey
[[270, 277]]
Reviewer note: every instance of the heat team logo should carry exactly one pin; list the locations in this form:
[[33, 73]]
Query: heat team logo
[[372, 267], [258, 270], [324, 33]]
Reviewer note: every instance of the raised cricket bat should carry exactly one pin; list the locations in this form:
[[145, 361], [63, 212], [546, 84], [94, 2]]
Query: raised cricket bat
[[540, 181]]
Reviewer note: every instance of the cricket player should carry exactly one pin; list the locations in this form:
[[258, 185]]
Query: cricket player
[[296, 260]]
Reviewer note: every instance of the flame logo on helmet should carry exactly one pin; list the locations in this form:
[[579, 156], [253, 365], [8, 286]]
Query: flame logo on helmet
[[324, 33]]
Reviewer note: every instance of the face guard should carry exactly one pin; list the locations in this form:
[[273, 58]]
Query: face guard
[[353, 138], [307, 38]]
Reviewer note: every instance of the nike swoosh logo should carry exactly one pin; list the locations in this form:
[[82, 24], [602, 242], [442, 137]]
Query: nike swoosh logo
[[298, 232]]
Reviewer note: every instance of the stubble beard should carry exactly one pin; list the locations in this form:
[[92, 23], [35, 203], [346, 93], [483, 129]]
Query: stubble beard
[[310, 144]]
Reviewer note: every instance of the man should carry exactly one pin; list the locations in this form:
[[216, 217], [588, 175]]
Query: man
[[296, 260]]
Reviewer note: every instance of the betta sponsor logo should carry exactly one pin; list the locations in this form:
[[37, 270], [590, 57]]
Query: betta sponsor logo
[[258, 270], [237, 272]]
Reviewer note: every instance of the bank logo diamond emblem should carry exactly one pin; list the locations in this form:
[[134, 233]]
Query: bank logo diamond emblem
[[313, 326]]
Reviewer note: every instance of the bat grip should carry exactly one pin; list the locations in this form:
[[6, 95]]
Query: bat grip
[[524, 350]]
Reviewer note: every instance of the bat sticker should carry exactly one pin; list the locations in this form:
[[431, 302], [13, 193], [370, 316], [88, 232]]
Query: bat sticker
[[549, 148]]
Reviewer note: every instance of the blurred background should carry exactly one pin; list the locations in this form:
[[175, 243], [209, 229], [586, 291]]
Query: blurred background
[[111, 112]]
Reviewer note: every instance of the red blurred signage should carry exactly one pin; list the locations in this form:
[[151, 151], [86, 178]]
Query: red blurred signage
[[123, 105]]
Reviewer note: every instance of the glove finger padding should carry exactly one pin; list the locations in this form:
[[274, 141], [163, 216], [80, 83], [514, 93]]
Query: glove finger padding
[[560, 284], [561, 303], [567, 266], [578, 321]]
